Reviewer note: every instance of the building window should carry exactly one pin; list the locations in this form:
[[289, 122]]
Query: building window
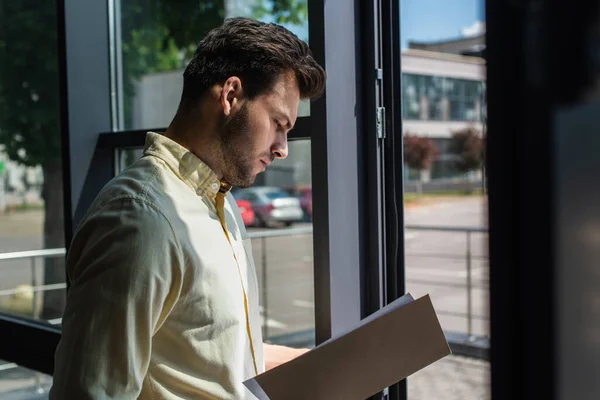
[[465, 99], [410, 94], [436, 98], [434, 92]]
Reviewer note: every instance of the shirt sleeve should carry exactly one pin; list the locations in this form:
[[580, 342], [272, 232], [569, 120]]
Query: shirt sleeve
[[126, 270]]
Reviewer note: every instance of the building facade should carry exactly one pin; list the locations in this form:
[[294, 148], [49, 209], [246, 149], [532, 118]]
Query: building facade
[[442, 93]]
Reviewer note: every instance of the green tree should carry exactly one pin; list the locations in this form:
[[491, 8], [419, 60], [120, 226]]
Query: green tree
[[160, 35], [285, 12], [30, 131]]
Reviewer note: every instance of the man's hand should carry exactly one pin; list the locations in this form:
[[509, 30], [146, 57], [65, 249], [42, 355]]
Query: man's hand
[[276, 355]]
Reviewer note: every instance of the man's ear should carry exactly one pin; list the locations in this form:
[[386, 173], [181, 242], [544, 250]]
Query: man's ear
[[231, 94]]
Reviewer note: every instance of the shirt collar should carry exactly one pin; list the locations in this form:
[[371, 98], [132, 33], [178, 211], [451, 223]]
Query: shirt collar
[[185, 164]]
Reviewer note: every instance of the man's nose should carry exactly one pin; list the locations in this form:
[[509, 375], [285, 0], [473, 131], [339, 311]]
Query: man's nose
[[280, 148]]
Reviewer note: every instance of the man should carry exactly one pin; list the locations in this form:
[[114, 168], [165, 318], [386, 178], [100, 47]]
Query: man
[[163, 301]]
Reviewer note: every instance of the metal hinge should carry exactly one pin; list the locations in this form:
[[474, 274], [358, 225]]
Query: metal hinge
[[381, 122]]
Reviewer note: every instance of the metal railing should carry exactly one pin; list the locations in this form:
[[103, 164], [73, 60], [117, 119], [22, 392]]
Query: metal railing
[[32, 256], [468, 285], [263, 235], [468, 257]]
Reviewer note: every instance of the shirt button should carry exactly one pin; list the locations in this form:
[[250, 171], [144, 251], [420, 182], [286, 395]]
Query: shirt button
[[215, 186], [200, 191]]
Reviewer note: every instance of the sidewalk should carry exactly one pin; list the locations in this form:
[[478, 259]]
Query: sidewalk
[[452, 378]]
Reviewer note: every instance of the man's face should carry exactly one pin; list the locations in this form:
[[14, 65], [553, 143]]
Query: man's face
[[256, 134]]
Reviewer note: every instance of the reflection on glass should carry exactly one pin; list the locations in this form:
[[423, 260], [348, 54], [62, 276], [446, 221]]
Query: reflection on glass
[[21, 383], [31, 189], [159, 37]]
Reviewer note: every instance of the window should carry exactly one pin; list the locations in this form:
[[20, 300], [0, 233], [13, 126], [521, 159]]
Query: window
[[465, 100], [437, 98], [158, 38], [411, 96], [32, 269], [445, 211], [433, 91], [32, 275], [284, 259]]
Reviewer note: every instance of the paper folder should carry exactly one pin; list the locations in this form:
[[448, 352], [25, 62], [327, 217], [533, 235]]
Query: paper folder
[[390, 345]]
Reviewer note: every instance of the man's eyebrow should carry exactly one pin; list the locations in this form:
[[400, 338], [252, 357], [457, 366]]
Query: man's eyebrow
[[284, 116]]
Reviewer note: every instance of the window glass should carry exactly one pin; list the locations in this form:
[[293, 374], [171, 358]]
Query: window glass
[[445, 210], [435, 95], [441, 98], [410, 100], [157, 40], [285, 263], [31, 186]]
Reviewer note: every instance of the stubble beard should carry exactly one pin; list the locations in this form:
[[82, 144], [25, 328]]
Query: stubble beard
[[237, 147]]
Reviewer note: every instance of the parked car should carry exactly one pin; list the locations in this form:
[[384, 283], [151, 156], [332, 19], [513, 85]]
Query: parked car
[[248, 215], [304, 194], [272, 205]]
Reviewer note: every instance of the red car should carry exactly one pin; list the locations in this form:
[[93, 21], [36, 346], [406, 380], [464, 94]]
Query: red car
[[247, 212]]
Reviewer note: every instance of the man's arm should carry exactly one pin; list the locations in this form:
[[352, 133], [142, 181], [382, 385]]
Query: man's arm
[[276, 355], [126, 270]]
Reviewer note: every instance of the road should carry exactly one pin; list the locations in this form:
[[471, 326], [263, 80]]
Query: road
[[441, 257], [435, 264]]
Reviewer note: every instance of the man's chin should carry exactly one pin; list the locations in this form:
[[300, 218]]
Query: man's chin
[[243, 183]]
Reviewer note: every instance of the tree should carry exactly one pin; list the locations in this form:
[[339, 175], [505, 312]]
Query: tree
[[286, 12], [419, 154], [30, 131], [157, 35], [163, 35], [468, 147]]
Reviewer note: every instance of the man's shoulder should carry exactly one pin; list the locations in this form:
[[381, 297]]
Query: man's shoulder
[[145, 180], [140, 186]]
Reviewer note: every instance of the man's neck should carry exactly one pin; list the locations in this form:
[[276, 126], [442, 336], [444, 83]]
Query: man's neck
[[199, 142]]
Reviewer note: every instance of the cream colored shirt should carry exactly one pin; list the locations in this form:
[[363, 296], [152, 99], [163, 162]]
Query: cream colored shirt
[[156, 306]]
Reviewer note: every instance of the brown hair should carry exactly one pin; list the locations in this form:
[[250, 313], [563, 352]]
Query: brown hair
[[257, 53]]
